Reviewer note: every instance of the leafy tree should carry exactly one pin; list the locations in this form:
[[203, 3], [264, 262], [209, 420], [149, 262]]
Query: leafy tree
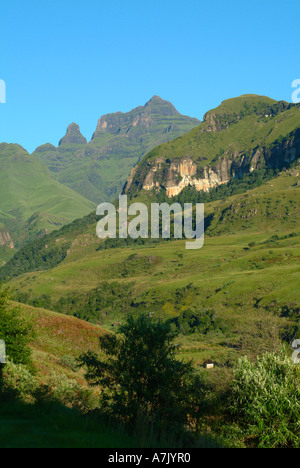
[[140, 376]]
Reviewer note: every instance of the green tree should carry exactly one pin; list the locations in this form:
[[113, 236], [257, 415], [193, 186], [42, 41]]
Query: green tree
[[140, 376], [15, 331]]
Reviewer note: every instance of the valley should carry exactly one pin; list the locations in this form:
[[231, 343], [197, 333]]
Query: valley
[[247, 273], [237, 296]]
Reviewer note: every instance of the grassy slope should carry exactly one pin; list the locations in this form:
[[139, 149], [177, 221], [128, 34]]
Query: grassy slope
[[58, 336], [245, 285], [31, 199], [28, 425], [245, 134]]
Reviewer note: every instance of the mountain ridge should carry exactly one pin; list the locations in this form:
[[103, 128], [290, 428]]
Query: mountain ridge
[[98, 169], [239, 136], [32, 201]]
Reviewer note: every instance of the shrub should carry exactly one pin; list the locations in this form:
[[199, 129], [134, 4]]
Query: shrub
[[266, 400], [198, 321], [18, 382], [68, 392]]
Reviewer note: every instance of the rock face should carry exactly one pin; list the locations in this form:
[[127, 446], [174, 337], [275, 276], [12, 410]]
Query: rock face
[[136, 122], [73, 136], [174, 177], [6, 240]]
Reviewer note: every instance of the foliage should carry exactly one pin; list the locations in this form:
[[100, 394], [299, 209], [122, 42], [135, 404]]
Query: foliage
[[266, 400], [196, 321], [47, 252], [18, 382], [140, 376], [33, 257], [15, 331], [67, 392]]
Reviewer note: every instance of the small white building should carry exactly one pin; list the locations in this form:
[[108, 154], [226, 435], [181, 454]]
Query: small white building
[[209, 364]]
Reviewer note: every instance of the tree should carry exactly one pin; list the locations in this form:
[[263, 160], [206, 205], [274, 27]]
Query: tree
[[15, 331], [140, 376]]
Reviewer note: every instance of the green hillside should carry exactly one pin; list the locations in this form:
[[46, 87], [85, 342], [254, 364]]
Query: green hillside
[[98, 170], [247, 273], [237, 296], [32, 201], [241, 135], [29, 424]]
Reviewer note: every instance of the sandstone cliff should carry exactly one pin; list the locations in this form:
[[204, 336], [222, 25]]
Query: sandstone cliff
[[6, 240]]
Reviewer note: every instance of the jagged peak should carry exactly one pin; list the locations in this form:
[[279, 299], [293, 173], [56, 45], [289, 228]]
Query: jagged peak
[[161, 106], [73, 136], [155, 98]]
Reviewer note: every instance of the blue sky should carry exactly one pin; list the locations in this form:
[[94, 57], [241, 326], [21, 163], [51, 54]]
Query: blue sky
[[73, 61]]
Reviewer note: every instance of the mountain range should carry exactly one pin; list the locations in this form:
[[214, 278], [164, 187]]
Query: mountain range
[[237, 296], [32, 202], [98, 170], [164, 152], [55, 185]]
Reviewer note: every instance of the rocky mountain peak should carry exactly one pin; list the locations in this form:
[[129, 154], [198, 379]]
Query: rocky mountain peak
[[159, 106], [73, 135], [143, 117]]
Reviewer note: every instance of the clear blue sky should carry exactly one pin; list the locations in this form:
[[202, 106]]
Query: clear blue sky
[[69, 61]]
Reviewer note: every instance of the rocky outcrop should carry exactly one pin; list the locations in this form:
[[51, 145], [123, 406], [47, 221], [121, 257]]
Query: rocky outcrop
[[121, 124], [6, 240], [73, 136], [130, 179], [174, 176], [136, 122]]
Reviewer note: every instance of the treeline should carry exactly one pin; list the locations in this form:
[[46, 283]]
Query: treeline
[[33, 257], [45, 253]]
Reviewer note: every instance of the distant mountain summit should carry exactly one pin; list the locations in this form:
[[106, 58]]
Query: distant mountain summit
[[98, 169], [73, 136], [141, 119]]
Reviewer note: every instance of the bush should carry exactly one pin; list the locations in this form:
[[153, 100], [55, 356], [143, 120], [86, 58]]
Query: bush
[[68, 392], [197, 321], [266, 400], [18, 382]]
